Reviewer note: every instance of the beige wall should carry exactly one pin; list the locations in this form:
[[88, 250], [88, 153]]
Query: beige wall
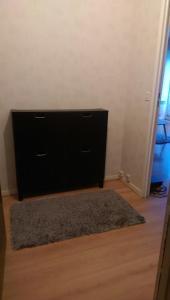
[[79, 54], [62, 54], [144, 42]]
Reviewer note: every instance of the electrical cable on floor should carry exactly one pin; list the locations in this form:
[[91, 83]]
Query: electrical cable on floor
[[159, 191]]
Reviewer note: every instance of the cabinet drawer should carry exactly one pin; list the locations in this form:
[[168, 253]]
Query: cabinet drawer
[[30, 132], [30, 121], [36, 132], [88, 128], [35, 174], [84, 167], [41, 173], [88, 120]]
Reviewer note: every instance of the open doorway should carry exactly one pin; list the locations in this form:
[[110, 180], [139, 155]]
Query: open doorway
[[161, 161]]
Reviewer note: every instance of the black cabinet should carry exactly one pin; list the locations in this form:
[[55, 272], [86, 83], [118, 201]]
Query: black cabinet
[[59, 150]]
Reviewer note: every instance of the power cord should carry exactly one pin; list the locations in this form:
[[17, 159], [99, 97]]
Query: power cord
[[159, 191]]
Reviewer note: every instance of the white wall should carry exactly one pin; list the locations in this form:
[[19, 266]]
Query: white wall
[[80, 54], [63, 54], [144, 41]]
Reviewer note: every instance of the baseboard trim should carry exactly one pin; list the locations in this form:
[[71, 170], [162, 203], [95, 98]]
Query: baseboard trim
[[133, 187], [9, 192], [107, 178], [112, 177], [14, 191]]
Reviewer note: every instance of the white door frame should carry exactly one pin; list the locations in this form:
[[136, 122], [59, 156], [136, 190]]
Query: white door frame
[[157, 85], [162, 287]]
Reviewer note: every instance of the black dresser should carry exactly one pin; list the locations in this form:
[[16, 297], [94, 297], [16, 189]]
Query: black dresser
[[59, 150]]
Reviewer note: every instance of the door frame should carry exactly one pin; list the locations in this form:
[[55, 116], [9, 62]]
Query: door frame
[[2, 245], [162, 287], [157, 86]]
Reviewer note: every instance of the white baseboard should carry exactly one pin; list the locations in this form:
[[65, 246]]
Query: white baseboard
[[107, 178], [116, 176], [9, 192], [133, 187], [112, 177]]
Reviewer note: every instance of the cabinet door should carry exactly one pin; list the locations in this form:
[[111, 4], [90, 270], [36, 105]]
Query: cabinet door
[[83, 166], [32, 152], [36, 175], [87, 147], [30, 131], [40, 152]]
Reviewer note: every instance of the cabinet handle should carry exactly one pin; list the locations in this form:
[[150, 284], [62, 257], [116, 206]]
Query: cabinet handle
[[86, 151], [36, 117], [88, 115], [41, 155]]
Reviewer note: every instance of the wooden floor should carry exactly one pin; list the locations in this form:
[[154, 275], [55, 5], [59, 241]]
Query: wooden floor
[[116, 265]]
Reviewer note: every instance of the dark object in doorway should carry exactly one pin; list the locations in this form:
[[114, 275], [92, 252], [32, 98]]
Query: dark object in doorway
[[38, 222], [155, 185], [161, 140], [163, 123], [158, 189]]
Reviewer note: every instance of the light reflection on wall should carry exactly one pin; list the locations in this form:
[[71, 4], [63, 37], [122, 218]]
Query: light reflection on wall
[[166, 80]]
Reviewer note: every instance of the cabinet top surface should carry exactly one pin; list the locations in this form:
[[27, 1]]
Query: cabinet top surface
[[59, 110]]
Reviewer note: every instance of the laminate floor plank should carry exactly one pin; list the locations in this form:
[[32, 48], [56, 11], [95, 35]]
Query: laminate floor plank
[[119, 264]]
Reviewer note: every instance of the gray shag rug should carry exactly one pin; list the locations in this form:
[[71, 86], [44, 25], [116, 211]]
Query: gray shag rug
[[38, 222]]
